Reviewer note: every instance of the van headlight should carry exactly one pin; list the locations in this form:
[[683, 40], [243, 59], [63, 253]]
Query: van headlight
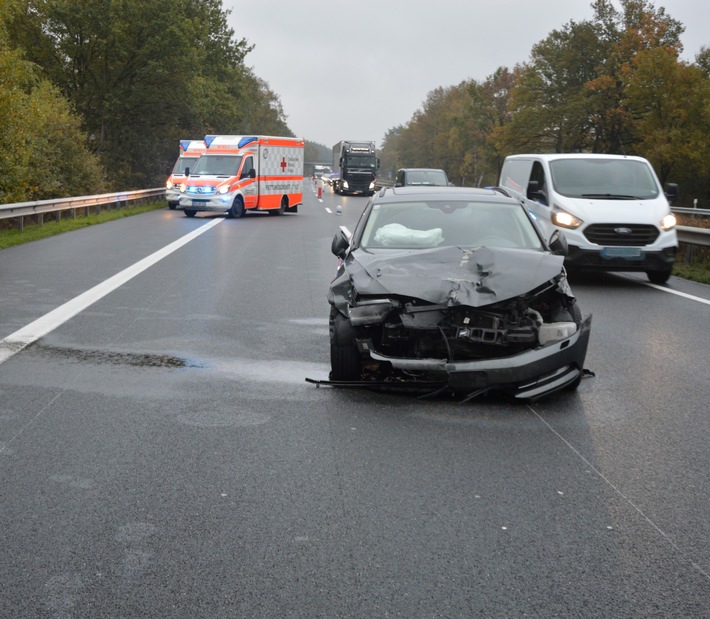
[[168, 184], [563, 219], [668, 222], [223, 189], [182, 187]]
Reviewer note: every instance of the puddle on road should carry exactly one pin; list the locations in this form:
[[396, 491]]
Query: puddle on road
[[143, 360]]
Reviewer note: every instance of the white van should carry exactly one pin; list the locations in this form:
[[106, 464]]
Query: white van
[[611, 208]]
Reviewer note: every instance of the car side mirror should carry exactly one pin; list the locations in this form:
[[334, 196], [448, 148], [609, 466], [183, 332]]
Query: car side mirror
[[340, 244], [558, 244], [672, 192]]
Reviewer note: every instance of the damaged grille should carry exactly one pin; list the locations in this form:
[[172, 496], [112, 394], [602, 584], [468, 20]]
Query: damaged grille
[[468, 333]]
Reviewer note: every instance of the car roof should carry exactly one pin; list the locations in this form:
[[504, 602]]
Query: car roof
[[428, 192]]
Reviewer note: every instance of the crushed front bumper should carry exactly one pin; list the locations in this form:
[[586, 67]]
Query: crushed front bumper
[[528, 375]]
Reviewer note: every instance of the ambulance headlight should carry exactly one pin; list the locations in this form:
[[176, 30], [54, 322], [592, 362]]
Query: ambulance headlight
[[182, 187], [223, 189], [168, 184]]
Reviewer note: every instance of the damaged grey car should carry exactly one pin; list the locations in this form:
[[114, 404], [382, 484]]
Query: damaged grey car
[[453, 289]]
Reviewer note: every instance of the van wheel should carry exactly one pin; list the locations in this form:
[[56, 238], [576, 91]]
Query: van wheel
[[190, 213], [658, 277], [237, 209], [282, 209]]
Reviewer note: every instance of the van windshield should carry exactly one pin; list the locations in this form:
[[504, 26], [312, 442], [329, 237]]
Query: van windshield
[[605, 179], [217, 165]]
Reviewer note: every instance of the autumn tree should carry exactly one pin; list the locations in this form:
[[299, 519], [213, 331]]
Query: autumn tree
[[667, 101], [144, 74], [46, 154]]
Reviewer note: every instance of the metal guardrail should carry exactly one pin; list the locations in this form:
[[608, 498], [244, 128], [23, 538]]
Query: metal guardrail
[[688, 234], [693, 236], [20, 210]]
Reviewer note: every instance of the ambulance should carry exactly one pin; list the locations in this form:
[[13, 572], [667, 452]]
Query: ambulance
[[239, 173], [190, 150]]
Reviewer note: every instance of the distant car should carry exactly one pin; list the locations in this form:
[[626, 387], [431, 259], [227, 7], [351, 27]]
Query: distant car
[[421, 176], [454, 289], [331, 179]]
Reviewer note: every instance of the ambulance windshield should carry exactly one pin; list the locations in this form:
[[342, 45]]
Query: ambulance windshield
[[182, 163], [217, 165]]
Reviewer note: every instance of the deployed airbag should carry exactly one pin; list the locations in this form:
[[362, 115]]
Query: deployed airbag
[[397, 235]]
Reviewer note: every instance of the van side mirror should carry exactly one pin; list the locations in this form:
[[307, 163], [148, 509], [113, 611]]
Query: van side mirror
[[187, 171], [340, 244], [534, 192], [672, 192], [252, 173], [558, 243]]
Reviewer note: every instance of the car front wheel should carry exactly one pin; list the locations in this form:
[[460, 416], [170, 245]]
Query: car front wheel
[[345, 362]]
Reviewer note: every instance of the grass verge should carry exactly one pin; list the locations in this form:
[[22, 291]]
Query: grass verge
[[10, 237]]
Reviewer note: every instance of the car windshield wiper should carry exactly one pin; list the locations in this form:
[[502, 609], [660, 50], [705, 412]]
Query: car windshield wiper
[[610, 196]]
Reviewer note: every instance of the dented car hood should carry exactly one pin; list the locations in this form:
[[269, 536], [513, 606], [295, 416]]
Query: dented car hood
[[473, 276]]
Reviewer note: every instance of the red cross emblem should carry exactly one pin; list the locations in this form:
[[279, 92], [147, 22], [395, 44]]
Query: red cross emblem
[[283, 164]]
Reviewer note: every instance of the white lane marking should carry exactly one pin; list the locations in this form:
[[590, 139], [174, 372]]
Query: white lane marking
[[21, 338], [327, 210], [678, 293], [619, 493]]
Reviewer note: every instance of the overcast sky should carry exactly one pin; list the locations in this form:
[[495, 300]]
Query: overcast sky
[[353, 69]]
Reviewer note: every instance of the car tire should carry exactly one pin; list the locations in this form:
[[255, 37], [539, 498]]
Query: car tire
[[658, 277], [189, 213], [237, 208], [345, 361]]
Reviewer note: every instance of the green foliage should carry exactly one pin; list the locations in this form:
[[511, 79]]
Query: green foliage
[[613, 83], [48, 157], [144, 74]]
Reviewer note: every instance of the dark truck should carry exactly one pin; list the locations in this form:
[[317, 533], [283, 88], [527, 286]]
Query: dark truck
[[356, 164]]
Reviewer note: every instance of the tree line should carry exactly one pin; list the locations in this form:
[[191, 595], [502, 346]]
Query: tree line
[[612, 84], [96, 95]]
